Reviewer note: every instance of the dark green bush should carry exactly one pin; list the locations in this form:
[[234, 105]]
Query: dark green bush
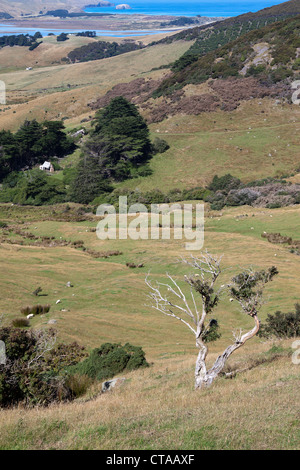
[[144, 171], [62, 37], [282, 325], [101, 50], [224, 183], [212, 333], [33, 374], [196, 194], [217, 201], [256, 70], [274, 205], [34, 45], [242, 197], [159, 145], [279, 74], [217, 206], [110, 359]]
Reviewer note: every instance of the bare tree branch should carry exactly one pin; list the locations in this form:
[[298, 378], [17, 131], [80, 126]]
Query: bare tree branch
[[247, 288]]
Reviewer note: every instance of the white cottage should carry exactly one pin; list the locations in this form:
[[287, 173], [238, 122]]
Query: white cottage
[[47, 166]]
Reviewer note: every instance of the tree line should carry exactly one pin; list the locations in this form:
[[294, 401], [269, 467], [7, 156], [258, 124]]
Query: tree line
[[20, 40], [101, 50], [117, 148], [30, 146]]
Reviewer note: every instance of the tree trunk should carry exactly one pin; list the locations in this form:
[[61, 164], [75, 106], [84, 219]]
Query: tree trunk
[[200, 370], [204, 378]]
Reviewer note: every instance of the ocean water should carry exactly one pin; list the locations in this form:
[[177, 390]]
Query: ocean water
[[156, 7], [187, 7]]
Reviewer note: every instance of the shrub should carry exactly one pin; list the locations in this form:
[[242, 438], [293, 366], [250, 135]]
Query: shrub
[[37, 291], [159, 145], [274, 205], [282, 325], [109, 360], [217, 206], [34, 45], [241, 197], [154, 196], [224, 183], [256, 70], [62, 37], [20, 322], [78, 384], [217, 201], [36, 310], [35, 371], [143, 171], [101, 50]]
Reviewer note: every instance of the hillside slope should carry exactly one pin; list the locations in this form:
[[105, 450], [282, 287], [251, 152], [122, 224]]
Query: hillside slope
[[256, 410], [50, 52], [270, 53], [212, 37], [64, 91]]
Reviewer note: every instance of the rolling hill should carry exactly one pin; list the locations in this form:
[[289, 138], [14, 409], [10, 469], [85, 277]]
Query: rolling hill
[[281, 40], [212, 37], [228, 110], [34, 7]]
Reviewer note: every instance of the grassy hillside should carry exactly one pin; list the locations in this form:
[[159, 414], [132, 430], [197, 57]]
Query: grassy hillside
[[49, 53], [98, 302], [218, 124], [253, 412], [16, 8], [65, 91], [222, 32], [257, 140], [108, 303]]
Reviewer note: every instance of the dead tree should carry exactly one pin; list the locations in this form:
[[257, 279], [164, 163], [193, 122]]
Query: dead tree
[[246, 288]]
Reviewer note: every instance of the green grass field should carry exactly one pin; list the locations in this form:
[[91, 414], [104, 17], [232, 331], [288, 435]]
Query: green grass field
[[256, 410], [156, 408], [246, 143]]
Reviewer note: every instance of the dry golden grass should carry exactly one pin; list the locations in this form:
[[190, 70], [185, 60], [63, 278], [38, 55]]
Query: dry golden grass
[[295, 179], [158, 409], [50, 52], [64, 91], [247, 143], [108, 301]]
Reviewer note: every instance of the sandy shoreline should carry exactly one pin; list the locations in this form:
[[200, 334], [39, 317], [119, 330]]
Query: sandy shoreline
[[115, 22]]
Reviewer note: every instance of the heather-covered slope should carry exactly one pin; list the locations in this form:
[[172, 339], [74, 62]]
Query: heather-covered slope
[[211, 37], [271, 51]]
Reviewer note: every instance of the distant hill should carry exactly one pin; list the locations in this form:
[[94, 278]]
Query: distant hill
[[261, 63], [215, 46], [216, 35], [34, 7]]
